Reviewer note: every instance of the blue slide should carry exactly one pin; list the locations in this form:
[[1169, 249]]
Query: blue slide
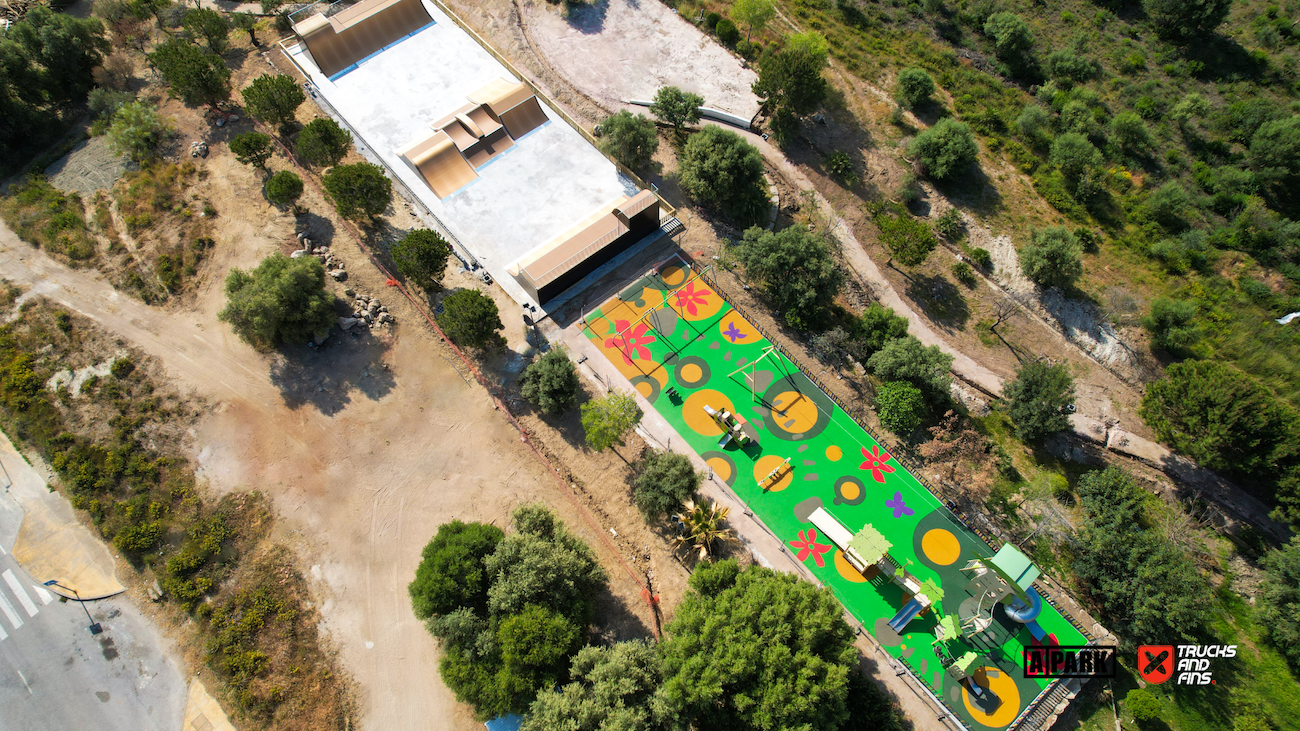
[[1025, 613], [905, 615]]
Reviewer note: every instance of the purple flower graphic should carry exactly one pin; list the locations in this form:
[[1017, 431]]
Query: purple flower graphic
[[897, 504], [733, 334]]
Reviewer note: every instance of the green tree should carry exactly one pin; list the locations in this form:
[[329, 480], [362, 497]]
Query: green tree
[[1053, 258], [1067, 67], [1149, 589], [1011, 37], [907, 239], [136, 131], [136, 539], [727, 32], [64, 50], [720, 170], [1142, 706], [274, 99], [471, 319], [421, 256], [1280, 601], [359, 191], [541, 563], [1275, 150], [1077, 159], [608, 419], [1186, 19], [1039, 397], [211, 25], [283, 188], [677, 108], [795, 269], [536, 645], [283, 300], [551, 382], [946, 149], [1223, 418], [252, 148], [914, 87], [1170, 324], [194, 76], [323, 142], [757, 649], [791, 86], [1035, 123], [753, 14], [631, 139], [1168, 206], [612, 688], [1129, 133], [246, 22], [906, 359], [879, 325], [664, 481], [451, 574], [900, 406]]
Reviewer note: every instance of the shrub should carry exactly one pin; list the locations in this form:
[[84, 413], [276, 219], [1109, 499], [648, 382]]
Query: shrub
[[840, 165], [1170, 324], [909, 241], [421, 256], [982, 258], [1168, 206], [964, 274], [136, 131], [1034, 122], [471, 319], [664, 481], [1065, 66], [283, 188], [283, 300], [1011, 37], [949, 224], [914, 87], [900, 406], [721, 170], [551, 382], [946, 149], [139, 538], [1054, 258], [323, 142], [1187, 19], [359, 191], [608, 419], [711, 21], [1077, 159], [1129, 133], [630, 139], [1281, 595], [906, 359], [877, 326], [1142, 705], [727, 32], [121, 368]]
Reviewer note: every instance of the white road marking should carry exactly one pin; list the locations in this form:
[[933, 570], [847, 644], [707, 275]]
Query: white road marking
[[45, 596], [9, 611], [24, 677], [28, 605], [3, 635]]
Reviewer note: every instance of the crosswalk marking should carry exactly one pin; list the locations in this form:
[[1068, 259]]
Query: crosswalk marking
[[9, 611], [28, 605], [45, 596]]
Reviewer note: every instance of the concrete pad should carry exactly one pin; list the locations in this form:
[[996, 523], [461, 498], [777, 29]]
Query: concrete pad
[[550, 179], [1094, 430], [1139, 448], [50, 543], [202, 712]]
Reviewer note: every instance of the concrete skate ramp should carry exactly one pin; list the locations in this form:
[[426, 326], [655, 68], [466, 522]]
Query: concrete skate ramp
[[440, 163], [342, 40]]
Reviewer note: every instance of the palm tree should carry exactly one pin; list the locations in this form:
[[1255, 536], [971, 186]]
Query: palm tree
[[702, 526]]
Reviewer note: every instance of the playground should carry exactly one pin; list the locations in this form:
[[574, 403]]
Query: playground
[[934, 594]]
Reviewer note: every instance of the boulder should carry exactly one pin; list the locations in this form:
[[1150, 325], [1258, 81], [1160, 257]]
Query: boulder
[[349, 292], [298, 253], [347, 323], [338, 274], [320, 337]]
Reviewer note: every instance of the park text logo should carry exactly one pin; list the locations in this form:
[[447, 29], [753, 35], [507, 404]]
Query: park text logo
[[1070, 661], [1188, 664]]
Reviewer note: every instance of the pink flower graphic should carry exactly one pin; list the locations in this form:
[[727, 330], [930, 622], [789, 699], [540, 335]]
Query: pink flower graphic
[[688, 297], [807, 544], [632, 342], [876, 460]]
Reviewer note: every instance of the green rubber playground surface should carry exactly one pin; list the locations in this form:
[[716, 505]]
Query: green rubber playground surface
[[670, 329]]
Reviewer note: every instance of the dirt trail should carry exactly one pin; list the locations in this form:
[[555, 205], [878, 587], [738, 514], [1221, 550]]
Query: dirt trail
[[365, 447]]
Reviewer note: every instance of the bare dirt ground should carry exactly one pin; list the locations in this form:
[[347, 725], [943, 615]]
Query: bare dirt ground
[[616, 50]]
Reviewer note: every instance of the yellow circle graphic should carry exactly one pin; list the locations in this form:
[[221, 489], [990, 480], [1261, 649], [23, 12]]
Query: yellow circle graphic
[[1004, 687], [850, 491], [941, 546], [795, 412], [600, 327], [645, 389], [699, 420], [833, 453], [764, 466], [846, 569], [672, 275], [720, 467], [691, 373]]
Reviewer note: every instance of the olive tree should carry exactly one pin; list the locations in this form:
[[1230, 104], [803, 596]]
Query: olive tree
[[551, 382], [721, 170], [283, 300], [676, 107], [1053, 258], [630, 139], [946, 149], [914, 87]]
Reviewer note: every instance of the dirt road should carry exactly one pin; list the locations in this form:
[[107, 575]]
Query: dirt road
[[365, 447]]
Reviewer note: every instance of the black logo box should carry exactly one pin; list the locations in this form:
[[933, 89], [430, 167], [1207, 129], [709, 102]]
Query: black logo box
[[1070, 661]]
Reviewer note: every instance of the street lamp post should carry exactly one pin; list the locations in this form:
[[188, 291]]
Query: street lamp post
[[94, 626]]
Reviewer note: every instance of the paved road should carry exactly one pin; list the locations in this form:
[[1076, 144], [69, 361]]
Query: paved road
[[55, 675]]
